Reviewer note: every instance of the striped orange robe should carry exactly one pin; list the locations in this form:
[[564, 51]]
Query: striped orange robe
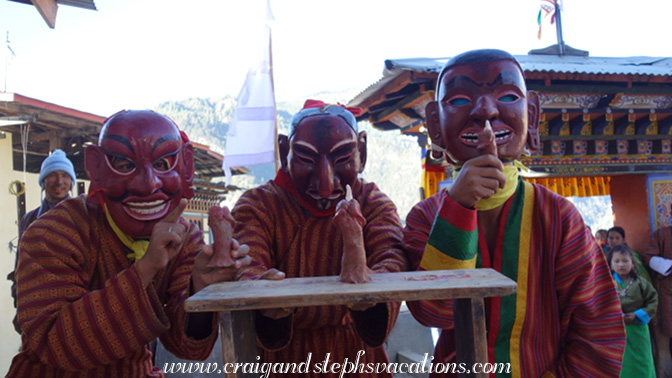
[[565, 319], [81, 306], [282, 234], [26, 220]]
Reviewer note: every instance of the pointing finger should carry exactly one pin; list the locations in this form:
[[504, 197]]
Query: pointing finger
[[174, 215]]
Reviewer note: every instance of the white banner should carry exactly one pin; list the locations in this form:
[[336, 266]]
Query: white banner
[[252, 133]]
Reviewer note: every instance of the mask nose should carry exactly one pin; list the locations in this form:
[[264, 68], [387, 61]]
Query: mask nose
[[485, 109], [146, 182], [324, 175]]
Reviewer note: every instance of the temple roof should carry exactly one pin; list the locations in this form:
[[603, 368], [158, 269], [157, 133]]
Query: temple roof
[[600, 115], [641, 68], [638, 65]]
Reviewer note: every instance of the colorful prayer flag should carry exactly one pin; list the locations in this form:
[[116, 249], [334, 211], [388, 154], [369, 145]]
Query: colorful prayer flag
[[547, 7]]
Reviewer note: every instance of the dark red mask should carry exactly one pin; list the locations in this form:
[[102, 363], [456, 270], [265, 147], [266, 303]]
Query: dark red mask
[[142, 167]]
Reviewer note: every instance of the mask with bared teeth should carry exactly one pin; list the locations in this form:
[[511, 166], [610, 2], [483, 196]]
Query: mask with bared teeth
[[141, 169]]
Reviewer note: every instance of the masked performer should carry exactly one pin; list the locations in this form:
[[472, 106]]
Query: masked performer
[[303, 225], [565, 319], [99, 278]]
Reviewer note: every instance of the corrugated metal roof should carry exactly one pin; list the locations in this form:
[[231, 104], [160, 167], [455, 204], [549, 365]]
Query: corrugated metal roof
[[638, 65]]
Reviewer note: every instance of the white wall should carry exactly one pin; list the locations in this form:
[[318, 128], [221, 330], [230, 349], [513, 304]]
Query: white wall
[[9, 233]]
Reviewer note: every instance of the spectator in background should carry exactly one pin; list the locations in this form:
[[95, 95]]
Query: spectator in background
[[57, 180], [639, 301], [616, 236], [601, 238]]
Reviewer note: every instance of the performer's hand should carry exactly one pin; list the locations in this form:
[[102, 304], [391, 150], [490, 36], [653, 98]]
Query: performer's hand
[[275, 313], [203, 274], [630, 318], [479, 178], [348, 216], [166, 241], [273, 275]]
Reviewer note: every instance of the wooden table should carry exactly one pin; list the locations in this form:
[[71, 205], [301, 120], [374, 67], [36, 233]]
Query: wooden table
[[236, 302]]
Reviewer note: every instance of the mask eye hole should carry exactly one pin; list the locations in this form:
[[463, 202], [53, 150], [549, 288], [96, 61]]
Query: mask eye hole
[[459, 100], [167, 162], [120, 164], [508, 98], [303, 155], [343, 155]]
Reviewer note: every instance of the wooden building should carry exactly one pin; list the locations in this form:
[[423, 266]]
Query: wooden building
[[606, 127]]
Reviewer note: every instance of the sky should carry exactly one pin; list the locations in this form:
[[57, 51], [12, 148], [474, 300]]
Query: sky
[[135, 54]]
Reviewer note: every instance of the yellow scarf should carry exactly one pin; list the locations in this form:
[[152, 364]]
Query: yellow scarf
[[139, 247], [497, 199]]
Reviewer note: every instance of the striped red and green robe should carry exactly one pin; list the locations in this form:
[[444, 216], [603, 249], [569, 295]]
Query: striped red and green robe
[[82, 309], [282, 234], [660, 245], [565, 319]]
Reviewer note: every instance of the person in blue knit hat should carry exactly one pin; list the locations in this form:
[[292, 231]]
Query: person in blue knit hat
[[57, 179]]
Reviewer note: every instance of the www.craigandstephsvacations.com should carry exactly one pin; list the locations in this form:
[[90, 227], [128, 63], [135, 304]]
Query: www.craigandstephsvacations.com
[[264, 369]]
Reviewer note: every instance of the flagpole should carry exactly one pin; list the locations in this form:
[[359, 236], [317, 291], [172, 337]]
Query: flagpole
[[558, 28], [6, 59], [275, 107]]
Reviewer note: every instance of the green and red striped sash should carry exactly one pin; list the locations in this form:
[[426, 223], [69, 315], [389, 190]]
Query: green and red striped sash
[[455, 244]]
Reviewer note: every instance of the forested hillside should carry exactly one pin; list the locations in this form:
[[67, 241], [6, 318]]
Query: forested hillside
[[393, 159]]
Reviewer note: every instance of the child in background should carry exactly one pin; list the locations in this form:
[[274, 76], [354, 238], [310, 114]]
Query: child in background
[[601, 237], [616, 236], [639, 301]]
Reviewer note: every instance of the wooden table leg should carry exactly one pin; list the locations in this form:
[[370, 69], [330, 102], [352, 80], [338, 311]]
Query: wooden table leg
[[239, 340], [471, 341]]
